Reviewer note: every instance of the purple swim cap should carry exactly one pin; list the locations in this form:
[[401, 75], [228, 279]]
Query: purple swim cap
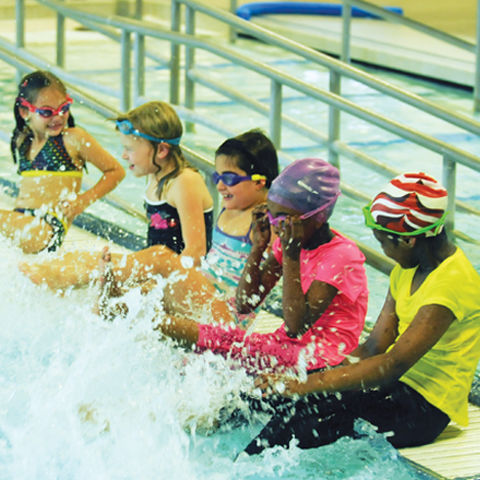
[[310, 185]]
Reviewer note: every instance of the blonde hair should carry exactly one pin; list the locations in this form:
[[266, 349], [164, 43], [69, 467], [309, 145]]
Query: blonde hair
[[159, 120]]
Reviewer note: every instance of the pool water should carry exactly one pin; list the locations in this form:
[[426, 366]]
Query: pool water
[[81, 398]]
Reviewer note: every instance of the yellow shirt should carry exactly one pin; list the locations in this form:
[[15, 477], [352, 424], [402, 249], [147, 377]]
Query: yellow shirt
[[443, 376]]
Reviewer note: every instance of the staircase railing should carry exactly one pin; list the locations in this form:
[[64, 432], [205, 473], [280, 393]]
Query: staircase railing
[[132, 78], [417, 26]]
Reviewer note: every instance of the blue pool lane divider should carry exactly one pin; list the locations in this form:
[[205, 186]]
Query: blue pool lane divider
[[249, 10]]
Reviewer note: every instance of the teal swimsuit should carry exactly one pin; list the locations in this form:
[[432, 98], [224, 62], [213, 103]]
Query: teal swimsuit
[[227, 257]]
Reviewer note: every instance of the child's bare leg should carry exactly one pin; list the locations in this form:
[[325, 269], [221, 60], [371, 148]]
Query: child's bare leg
[[137, 267], [193, 295], [31, 234], [74, 269], [71, 269]]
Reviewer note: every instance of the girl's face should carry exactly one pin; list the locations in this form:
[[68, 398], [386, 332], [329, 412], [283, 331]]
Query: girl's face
[[51, 126], [278, 214], [401, 249], [138, 152], [244, 194]]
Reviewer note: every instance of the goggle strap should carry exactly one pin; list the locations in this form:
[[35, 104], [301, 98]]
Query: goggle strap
[[436, 226], [130, 130]]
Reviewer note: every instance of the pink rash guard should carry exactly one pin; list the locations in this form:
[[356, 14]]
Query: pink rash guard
[[326, 343]]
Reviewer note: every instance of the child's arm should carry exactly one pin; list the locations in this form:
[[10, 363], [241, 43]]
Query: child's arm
[[428, 326], [300, 311], [383, 333], [89, 150], [187, 194], [257, 278]]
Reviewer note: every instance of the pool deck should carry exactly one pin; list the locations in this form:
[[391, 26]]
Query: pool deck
[[379, 43], [455, 453]]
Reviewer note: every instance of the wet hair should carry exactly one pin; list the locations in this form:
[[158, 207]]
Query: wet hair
[[253, 152], [159, 119], [29, 88]]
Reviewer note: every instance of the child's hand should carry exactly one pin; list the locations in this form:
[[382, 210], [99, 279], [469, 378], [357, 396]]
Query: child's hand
[[260, 226], [291, 235], [71, 208], [274, 384]]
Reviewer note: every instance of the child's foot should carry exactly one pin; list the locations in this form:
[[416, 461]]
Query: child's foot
[[108, 289]]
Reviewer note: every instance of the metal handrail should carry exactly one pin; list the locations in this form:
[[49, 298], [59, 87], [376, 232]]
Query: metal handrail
[[278, 79], [285, 79], [149, 29], [393, 17], [342, 68]]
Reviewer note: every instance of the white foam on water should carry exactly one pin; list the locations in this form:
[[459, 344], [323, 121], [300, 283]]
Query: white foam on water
[[84, 398]]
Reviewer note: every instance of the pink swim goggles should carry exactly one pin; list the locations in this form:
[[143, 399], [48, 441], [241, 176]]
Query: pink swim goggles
[[47, 112]]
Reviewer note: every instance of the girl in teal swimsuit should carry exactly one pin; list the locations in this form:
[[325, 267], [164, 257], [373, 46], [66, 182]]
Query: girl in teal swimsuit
[[51, 153], [245, 167]]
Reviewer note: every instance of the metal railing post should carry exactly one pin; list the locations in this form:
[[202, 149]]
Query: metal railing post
[[189, 64], [449, 180], [232, 34], [139, 56], [275, 114], [346, 31], [476, 85], [125, 71], [60, 56], [333, 119], [139, 66], [20, 31], [20, 23], [138, 14], [175, 55]]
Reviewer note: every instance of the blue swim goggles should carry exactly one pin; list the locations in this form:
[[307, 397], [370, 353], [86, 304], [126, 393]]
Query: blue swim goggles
[[230, 179], [126, 127]]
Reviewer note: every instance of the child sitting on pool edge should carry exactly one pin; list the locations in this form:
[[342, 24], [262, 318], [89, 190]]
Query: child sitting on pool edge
[[178, 204], [245, 167], [414, 372], [51, 153], [325, 288]]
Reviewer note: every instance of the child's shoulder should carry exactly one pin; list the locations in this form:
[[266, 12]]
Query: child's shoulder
[[340, 244], [75, 136], [188, 178], [190, 173]]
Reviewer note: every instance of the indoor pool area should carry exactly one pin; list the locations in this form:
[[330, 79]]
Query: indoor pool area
[[85, 398]]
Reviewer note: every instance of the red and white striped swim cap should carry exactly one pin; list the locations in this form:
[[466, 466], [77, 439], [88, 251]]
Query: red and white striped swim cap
[[410, 202]]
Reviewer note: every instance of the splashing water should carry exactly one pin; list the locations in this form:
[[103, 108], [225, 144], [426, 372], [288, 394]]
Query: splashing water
[[83, 398]]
